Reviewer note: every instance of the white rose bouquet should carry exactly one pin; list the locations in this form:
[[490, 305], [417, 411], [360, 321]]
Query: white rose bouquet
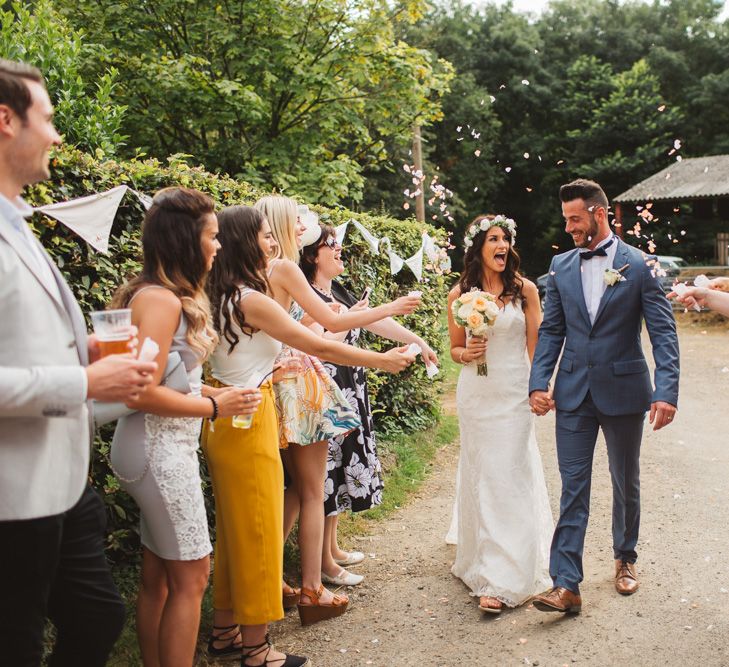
[[476, 311]]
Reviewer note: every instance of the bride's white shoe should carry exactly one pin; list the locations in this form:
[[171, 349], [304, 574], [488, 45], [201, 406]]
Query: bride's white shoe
[[344, 578]]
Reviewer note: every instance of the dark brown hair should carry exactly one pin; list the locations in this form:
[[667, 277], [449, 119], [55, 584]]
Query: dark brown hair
[[14, 91], [173, 258], [473, 265], [589, 191], [239, 263], [309, 253]]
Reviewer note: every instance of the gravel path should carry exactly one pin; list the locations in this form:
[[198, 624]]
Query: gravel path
[[412, 611]]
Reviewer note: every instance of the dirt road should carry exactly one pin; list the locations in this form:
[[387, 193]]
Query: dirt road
[[412, 611]]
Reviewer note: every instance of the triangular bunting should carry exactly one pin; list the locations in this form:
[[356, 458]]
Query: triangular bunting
[[90, 217], [415, 264], [372, 241], [341, 232]]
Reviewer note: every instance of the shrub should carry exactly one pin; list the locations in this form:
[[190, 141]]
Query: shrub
[[402, 403]]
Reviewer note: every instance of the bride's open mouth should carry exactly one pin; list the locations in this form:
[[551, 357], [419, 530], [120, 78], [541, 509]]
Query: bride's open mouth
[[500, 258]]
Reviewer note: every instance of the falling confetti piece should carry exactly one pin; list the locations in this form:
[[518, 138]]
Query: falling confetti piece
[[662, 107], [507, 169], [492, 98], [677, 144], [477, 152], [406, 206], [458, 129], [524, 82], [502, 86], [475, 189], [528, 189], [560, 162], [556, 247], [526, 156]]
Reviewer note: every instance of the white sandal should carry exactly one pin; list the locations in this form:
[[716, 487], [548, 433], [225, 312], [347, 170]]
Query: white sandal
[[353, 558]]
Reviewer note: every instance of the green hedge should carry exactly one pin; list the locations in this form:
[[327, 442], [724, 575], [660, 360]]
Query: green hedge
[[402, 403]]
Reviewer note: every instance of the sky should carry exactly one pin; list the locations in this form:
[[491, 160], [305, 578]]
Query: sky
[[539, 5]]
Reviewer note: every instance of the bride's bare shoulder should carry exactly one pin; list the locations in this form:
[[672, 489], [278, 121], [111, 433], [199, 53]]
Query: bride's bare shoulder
[[454, 293]]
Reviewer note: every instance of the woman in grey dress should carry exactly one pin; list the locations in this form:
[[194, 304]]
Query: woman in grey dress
[[154, 451]]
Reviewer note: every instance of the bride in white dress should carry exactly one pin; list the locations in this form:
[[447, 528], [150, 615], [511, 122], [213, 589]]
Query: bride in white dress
[[502, 522]]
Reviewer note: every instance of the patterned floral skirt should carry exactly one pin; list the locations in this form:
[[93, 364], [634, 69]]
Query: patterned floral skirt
[[311, 407]]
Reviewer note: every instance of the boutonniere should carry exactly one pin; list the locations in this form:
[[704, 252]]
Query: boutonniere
[[614, 276]]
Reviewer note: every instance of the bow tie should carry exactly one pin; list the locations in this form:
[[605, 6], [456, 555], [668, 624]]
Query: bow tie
[[597, 252]]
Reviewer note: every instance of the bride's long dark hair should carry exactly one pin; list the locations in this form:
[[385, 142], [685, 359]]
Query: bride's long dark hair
[[473, 265]]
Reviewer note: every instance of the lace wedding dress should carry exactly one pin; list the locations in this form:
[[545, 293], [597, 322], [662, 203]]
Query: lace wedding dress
[[502, 522]]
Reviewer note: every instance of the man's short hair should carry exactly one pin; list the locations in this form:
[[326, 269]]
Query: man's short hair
[[14, 91], [589, 191]]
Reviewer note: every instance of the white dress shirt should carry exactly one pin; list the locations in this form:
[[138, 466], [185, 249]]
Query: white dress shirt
[[593, 271]]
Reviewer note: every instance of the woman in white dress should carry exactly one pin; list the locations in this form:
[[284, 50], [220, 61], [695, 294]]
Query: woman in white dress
[[502, 522]]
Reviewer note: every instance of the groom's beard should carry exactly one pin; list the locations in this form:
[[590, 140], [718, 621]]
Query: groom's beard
[[591, 233]]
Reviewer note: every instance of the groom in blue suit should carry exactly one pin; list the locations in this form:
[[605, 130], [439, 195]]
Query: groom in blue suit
[[597, 297]]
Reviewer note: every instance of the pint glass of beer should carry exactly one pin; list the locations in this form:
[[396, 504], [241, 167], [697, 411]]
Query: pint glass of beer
[[113, 328]]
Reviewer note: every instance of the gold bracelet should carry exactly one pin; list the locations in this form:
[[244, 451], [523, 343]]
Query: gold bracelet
[[460, 357]]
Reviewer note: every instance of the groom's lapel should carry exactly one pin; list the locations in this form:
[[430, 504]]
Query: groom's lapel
[[574, 276], [620, 260]]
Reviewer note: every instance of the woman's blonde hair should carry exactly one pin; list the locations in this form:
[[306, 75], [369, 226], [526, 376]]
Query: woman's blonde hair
[[173, 258], [281, 215]]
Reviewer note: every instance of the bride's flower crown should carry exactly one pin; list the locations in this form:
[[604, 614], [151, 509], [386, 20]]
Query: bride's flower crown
[[498, 221]]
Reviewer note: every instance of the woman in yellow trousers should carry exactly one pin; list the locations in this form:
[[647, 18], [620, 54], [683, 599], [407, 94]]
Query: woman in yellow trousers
[[244, 463], [247, 482]]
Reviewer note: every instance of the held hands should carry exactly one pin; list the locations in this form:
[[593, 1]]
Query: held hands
[[119, 378], [405, 305], [234, 401], [661, 414], [541, 402], [397, 359]]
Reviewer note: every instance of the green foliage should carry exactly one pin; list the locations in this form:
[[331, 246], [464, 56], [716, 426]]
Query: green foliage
[[597, 88], [403, 402], [299, 96], [85, 110]]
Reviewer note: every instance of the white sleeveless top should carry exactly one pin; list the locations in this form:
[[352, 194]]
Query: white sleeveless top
[[254, 353]]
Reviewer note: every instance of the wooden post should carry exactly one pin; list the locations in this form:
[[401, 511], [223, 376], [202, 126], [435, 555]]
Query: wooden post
[[418, 160]]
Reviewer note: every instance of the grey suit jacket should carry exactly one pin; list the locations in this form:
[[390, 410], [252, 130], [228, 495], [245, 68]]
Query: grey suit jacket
[[44, 420], [606, 357]]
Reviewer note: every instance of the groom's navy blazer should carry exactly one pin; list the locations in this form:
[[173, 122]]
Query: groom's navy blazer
[[606, 358]]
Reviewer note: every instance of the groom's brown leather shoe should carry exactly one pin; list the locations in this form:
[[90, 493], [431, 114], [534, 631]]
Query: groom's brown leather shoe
[[626, 580], [558, 599]]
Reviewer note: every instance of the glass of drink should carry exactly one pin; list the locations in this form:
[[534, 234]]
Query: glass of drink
[[245, 421], [113, 328], [290, 364]]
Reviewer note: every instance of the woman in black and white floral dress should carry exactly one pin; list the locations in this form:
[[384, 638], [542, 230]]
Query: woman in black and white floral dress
[[354, 479]]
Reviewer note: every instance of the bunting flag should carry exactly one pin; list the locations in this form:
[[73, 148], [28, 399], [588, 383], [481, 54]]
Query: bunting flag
[[372, 241], [396, 262], [90, 217], [415, 264], [341, 232]]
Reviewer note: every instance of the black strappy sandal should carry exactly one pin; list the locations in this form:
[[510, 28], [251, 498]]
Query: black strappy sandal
[[286, 661], [230, 650]]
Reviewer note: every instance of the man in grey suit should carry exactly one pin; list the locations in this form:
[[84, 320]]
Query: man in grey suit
[[52, 523], [597, 298]]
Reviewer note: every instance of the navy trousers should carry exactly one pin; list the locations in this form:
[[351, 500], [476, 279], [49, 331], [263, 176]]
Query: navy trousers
[[55, 567], [576, 437]]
